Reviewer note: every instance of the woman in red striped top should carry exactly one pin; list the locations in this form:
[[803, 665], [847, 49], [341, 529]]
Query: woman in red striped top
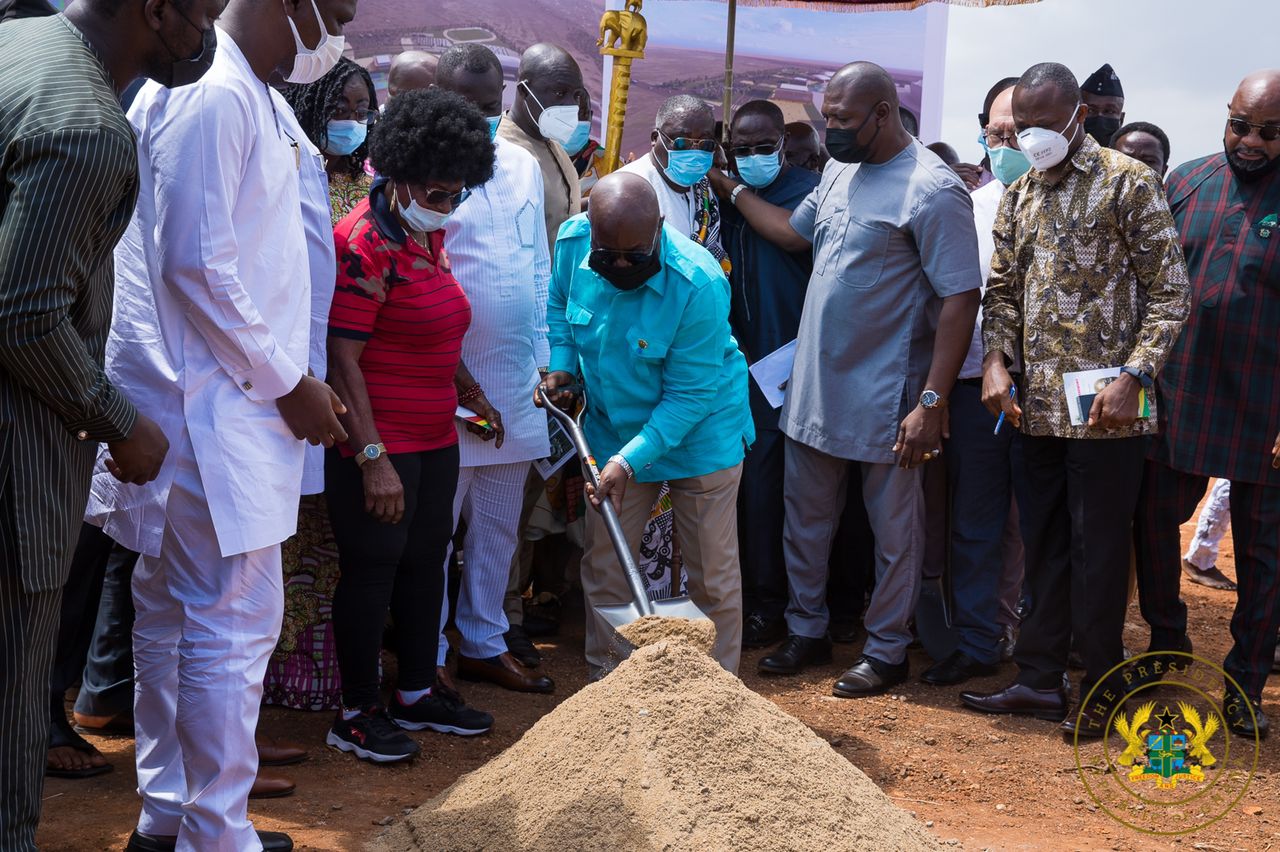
[[395, 342]]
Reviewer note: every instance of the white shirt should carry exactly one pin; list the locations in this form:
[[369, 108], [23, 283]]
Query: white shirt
[[497, 246], [213, 305], [676, 206], [986, 205], [317, 222]]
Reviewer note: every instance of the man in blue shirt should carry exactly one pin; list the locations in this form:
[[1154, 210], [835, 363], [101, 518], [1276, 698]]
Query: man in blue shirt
[[642, 312], [767, 285]]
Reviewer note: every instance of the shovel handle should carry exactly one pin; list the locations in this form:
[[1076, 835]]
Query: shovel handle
[[607, 510]]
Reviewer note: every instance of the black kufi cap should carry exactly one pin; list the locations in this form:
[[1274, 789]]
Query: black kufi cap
[[1104, 82]]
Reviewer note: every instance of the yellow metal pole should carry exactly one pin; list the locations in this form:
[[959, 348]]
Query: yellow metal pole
[[623, 34]]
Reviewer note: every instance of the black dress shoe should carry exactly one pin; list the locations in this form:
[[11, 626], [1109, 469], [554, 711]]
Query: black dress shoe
[[1239, 719], [955, 669], [1049, 704], [869, 676], [1091, 724], [845, 632], [795, 654], [760, 631], [272, 841], [521, 648]]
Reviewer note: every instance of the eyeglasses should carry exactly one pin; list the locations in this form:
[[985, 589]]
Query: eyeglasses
[[683, 143], [436, 197], [364, 116], [744, 151], [610, 257], [1241, 128], [995, 140]]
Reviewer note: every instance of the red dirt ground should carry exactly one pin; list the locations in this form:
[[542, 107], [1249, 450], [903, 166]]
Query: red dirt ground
[[979, 782]]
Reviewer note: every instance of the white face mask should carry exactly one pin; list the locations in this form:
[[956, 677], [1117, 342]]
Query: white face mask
[[557, 123], [421, 219], [1047, 148], [313, 63]]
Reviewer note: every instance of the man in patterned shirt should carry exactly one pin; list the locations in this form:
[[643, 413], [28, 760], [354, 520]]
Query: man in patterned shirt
[[1087, 274], [1219, 394]]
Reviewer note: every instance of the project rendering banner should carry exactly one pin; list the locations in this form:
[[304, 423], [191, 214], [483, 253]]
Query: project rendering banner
[[785, 55]]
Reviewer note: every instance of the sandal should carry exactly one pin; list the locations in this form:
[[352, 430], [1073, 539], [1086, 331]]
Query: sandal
[[61, 736]]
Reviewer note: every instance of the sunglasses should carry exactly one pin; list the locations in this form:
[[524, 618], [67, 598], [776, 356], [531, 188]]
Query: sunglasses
[[1241, 128], [683, 143], [436, 197], [610, 257], [744, 151]]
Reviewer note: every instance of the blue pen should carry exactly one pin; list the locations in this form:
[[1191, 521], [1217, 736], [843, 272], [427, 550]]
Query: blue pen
[[1013, 395]]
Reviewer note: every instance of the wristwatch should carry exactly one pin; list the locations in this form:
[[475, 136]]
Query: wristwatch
[[737, 190], [372, 452], [1143, 379], [931, 400], [624, 464]]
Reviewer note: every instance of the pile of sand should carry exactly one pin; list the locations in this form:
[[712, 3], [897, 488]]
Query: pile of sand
[[649, 629], [669, 752]]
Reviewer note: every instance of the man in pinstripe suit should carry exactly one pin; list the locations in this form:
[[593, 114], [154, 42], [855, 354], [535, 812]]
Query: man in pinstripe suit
[[68, 183]]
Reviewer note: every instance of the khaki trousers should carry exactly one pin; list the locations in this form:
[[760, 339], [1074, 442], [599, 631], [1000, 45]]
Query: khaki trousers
[[706, 524]]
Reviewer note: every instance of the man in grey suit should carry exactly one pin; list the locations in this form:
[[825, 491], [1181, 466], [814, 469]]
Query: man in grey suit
[[68, 183]]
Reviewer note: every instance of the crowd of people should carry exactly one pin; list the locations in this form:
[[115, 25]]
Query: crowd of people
[[271, 351]]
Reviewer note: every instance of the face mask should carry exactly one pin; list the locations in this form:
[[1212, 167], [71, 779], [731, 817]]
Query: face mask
[[628, 277], [313, 63], [419, 218], [344, 137], [759, 170], [557, 123], [843, 145], [982, 140], [685, 168], [1255, 174], [494, 121], [184, 72], [1101, 128], [581, 136], [1008, 164], [1047, 148]]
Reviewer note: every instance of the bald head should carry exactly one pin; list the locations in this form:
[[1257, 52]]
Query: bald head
[[864, 81], [413, 69], [1254, 107], [624, 213], [545, 58]]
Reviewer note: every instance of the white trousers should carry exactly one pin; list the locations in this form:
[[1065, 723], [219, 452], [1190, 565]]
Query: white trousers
[[490, 499], [1215, 520], [205, 626]]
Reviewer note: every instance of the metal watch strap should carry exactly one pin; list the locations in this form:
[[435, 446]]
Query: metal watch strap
[[624, 464], [737, 190]]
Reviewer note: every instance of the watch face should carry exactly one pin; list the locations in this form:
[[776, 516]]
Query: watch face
[[371, 452], [929, 399]]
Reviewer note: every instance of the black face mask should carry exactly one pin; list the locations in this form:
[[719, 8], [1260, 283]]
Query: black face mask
[[843, 145], [626, 277], [184, 72], [1256, 174], [1102, 128]]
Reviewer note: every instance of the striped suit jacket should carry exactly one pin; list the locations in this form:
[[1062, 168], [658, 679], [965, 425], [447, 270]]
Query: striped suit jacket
[[68, 183]]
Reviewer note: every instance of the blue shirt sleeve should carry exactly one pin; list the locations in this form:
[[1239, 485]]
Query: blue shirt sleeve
[[564, 353], [804, 217], [948, 240], [690, 376]]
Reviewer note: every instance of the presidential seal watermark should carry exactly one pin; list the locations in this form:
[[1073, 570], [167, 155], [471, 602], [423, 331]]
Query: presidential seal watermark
[[1167, 762]]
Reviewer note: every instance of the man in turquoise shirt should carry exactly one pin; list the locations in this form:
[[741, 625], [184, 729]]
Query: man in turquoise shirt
[[643, 313]]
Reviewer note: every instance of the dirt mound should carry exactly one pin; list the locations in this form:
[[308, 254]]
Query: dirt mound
[[654, 628], [671, 753]]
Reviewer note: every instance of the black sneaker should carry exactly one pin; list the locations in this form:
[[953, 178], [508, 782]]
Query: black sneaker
[[371, 736], [444, 711]]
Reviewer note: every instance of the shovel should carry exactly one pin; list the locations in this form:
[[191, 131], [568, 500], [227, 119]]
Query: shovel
[[619, 615]]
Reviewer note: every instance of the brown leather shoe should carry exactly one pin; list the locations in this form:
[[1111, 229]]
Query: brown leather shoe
[[505, 672], [1049, 704], [274, 752], [268, 785]]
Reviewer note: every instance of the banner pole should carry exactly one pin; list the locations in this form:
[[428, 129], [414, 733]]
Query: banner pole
[[728, 68]]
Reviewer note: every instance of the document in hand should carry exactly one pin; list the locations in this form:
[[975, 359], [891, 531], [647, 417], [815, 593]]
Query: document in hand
[[773, 371], [1081, 388]]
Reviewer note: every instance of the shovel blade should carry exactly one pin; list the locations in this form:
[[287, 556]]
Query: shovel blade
[[620, 615]]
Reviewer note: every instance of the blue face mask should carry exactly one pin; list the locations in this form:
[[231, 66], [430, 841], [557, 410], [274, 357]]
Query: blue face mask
[[759, 170], [581, 136], [1008, 164], [343, 137], [494, 121], [685, 168]]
